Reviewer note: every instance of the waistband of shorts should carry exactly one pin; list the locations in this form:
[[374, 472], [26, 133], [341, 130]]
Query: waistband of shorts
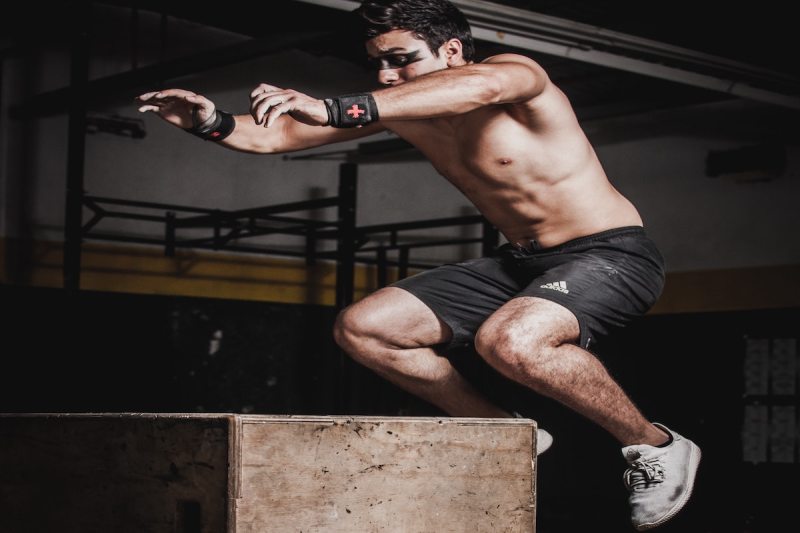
[[581, 241]]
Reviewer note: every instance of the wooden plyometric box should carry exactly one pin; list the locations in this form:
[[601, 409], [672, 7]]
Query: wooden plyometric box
[[215, 473]]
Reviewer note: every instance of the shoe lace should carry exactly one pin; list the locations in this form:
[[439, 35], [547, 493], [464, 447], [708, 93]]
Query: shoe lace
[[643, 472]]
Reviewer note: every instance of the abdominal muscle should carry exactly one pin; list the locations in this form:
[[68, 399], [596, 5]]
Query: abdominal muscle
[[555, 214], [531, 184]]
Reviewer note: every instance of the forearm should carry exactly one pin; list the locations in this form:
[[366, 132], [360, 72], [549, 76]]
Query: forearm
[[288, 135], [249, 137], [283, 133], [458, 90], [442, 93]]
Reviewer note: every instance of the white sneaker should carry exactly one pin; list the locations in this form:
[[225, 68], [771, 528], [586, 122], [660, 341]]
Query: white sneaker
[[543, 439], [660, 480]]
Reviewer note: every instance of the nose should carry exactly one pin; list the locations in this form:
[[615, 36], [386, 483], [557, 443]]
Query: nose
[[388, 76]]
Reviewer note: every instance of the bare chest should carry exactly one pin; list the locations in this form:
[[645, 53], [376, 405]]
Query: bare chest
[[484, 149]]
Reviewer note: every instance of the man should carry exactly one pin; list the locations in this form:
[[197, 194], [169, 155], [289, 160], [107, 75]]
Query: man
[[577, 264]]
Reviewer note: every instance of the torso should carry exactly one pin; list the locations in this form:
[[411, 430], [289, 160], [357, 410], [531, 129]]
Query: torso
[[528, 168]]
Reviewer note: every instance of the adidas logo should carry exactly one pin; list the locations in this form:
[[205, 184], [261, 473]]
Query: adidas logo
[[560, 286]]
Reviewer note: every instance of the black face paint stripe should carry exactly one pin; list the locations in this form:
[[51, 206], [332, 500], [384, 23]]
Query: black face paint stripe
[[392, 61]]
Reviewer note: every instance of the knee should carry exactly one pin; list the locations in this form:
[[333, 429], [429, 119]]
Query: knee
[[347, 329], [511, 346], [354, 329]]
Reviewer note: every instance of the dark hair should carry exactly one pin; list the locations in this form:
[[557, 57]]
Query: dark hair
[[433, 21]]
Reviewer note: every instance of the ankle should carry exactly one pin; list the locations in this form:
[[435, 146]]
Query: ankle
[[652, 436], [658, 437]]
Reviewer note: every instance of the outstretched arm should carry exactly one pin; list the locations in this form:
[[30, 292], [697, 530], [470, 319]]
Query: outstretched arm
[[501, 79], [184, 109]]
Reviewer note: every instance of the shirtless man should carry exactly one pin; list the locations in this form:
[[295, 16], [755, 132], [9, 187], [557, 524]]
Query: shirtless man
[[577, 263]]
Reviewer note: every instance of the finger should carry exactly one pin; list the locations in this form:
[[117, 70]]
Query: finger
[[197, 99], [202, 101], [263, 87], [146, 96], [254, 103], [268, 103], [260, 96], [257, 100], [277, 111], [203, 108], [172, 92], [145, 108]]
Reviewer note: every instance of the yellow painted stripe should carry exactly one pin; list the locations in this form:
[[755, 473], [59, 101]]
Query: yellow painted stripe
[[145, 270], [773, 287]]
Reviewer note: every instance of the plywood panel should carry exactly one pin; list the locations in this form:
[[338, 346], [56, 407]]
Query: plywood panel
[[113, 472], [204, 473], [386, 474]]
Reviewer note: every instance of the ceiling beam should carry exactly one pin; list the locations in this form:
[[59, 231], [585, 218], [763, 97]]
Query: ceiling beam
[[109, 88], [527, 30]]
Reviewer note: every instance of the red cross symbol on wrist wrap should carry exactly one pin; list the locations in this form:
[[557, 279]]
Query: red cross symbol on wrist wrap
[[355, 111]]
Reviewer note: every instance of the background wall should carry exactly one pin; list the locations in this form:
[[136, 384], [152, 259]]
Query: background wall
[[218, 331], [657, 159]]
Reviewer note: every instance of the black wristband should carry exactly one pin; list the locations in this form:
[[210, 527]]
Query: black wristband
[[216, 128], [351, 110]]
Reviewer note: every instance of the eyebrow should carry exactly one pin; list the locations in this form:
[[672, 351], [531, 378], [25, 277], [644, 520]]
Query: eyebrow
[[389, 51]]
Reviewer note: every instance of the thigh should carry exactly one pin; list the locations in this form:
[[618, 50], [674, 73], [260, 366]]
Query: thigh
[[463, 295], [397, 318], [531, 321], [604, 289]]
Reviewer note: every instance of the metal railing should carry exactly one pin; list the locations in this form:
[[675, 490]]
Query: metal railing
[[370, 245]]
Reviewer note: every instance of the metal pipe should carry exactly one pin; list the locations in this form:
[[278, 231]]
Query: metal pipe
[[427, 244], [422, 224], [76, 145], [486, 13], [528, 30], [346, 243], [258, 211], [153, 205], [715, 83]]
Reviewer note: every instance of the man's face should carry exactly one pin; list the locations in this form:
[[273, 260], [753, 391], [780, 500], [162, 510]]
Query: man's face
[[400, 57]]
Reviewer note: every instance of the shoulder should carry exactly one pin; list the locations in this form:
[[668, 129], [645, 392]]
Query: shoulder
[[515, 70], [519, 66], [513, 58]]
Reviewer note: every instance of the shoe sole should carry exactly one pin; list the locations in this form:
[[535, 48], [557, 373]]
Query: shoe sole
[[694, 463], [543, 441]]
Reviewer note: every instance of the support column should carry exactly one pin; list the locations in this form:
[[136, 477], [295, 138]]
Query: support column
[[346, 244], [79, 78]]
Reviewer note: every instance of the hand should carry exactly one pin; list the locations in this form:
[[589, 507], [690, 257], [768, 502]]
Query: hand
[[267, 103], [176, 106]]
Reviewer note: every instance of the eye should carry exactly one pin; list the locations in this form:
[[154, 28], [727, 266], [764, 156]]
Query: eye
[[389, 62], [397, 61]]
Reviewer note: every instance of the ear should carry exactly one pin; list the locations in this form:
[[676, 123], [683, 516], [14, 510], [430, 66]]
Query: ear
[[453, 52]]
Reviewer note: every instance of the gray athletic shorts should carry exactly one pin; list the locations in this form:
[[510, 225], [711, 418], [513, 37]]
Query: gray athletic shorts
[[606, 280]]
